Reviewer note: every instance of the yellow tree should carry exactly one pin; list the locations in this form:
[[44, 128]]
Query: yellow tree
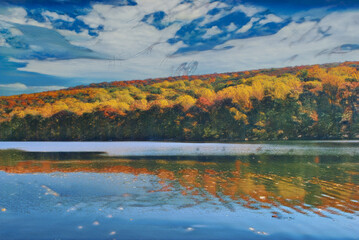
[[186, 101]]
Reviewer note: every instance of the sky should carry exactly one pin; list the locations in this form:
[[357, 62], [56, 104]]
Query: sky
[[55, 44]]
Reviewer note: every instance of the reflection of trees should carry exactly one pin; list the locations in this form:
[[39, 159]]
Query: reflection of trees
[[282, 185]]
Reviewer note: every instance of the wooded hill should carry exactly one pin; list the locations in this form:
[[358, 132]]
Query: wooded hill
[[306, 102]]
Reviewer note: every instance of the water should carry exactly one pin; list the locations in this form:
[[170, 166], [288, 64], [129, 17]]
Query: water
[[292, 190]]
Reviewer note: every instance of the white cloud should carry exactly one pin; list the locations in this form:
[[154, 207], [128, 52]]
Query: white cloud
[[247, 26], [231, 27], [15, 14], [211, 18], [46, 88], [271, 18], [249, 10], [136, 68], [8, 30], [16, 60], [211, 32], [4, 25], [16, 87], [189, 12], [15, 31], [78, 39], [3, 42], [246, 9], [311, 14], [95, 18], [56, 16], [124, 35], [145, 52], [18, 15]]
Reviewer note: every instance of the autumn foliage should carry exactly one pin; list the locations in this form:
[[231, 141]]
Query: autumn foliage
[[310, 102]]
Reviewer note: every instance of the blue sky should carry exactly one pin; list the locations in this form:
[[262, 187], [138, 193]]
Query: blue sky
[[46, 45]]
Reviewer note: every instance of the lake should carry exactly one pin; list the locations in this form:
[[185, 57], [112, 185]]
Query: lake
[[156, 190]]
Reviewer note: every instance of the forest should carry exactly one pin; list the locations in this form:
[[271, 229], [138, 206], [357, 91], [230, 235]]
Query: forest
[[292, 103]]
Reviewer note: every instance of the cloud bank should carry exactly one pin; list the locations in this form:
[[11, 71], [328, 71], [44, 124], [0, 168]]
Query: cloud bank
[[125, 40]]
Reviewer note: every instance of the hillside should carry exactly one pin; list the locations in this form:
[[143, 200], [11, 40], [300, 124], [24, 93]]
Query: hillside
[[306, 102]]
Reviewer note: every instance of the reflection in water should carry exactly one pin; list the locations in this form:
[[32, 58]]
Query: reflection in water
[[281, 187], [303, 184]]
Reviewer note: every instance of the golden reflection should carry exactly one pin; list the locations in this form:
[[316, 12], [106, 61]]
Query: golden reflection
[[239, 182]]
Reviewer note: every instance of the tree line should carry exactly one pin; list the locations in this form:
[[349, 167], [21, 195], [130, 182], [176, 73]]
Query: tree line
[[308, 102]]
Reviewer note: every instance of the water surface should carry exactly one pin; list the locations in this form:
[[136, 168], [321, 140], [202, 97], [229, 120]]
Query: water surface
[[60, 191]]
